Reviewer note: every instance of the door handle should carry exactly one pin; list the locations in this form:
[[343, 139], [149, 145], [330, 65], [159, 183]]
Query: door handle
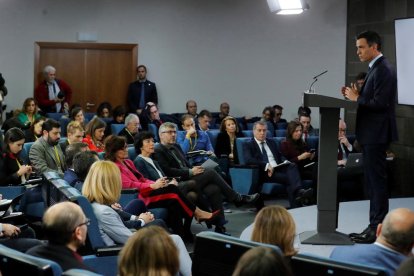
[[89, 105]]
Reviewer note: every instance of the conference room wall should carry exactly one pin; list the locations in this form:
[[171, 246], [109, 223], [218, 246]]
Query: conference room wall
[[210, 51]]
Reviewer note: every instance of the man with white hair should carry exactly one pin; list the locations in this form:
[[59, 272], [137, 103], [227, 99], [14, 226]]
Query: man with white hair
[[52, 95], [132, 125]]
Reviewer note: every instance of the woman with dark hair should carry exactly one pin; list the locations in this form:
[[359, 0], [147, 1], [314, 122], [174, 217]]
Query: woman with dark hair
[[29, 112], [35, 130], [118, 115], [226, 139], [297, 151], [76, 114], [95, 132], [13, 171], [161, 193], [104, 110]]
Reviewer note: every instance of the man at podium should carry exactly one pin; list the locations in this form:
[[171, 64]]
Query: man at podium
[[375, 126]]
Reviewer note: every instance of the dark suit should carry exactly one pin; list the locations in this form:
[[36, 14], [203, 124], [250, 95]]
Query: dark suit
[[128, 135], [60, 254], [134, 94], [288, 175], [375, 129]]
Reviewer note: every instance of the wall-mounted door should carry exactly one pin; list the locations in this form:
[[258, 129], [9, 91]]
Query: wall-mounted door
[[96, 72]]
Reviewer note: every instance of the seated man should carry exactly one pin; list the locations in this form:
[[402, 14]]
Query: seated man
[[308, 130], [70, 175], [203, 120], [65, 227], [278, 114], [395, 241], [224, 112], [172, 161], [75, 133], [46, 154], [193, 140], [132, 125], [263, 152], [191, 107]]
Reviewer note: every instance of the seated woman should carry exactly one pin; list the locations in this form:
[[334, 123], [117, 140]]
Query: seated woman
[[161, 259], [104, 110], [226, 140], [95, 131], [296, 150], [118, 115], [29, 113], [274, 225], [13, 171], [156, 194], [102, 188], [76, 114], [35, 130]]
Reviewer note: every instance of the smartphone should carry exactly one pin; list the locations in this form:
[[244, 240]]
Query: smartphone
[[312, 150]]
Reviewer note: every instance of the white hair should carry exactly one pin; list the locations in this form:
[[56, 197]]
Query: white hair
[[48, 69]]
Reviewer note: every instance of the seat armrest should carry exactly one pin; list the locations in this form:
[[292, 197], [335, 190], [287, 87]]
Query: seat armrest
[[129, 191], [108, 251]]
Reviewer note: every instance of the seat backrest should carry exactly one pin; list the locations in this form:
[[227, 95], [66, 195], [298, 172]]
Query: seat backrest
[[281, 125], [13, 262], [154, 130], [89, 115], [116, 128], [280, 132], [132, 154], [212, 134], [239, 145], [24, 154], [54, 116], [64, 121], [313, 142]]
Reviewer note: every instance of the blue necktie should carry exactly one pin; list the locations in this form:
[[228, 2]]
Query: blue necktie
[[265, 158], [142, 99]]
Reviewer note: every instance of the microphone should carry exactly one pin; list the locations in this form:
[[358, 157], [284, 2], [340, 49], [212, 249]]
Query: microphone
[[315, 80], [324, 72]]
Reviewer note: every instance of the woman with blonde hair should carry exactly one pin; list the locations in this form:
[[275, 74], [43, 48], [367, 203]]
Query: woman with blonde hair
[[274, 225], [102, 187], [149, 252]]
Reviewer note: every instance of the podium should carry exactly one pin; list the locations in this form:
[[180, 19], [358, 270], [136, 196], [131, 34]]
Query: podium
[[327, 217]]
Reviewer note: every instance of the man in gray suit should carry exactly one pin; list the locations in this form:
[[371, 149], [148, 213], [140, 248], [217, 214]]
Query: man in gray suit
[[46, 154]]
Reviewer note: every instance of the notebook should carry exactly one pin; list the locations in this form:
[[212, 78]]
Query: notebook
[[354, 160]]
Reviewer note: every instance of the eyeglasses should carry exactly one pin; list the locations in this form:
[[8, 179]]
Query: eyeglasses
[[170, 132], [87, 223]]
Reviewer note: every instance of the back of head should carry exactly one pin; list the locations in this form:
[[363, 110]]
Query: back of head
[[274, 225], [82, 162], [262, 261], [150, 251], [103, 183], [72, 150], [397, 230], [60, 220]]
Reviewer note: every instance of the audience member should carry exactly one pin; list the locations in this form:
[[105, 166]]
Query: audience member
[[45, 154], [118, 115], [307, 130], [95, 132], [173, 163], [297, 151], [194, 140], [75, 133], [29, 113], [35, 130], [65, 226], [226, 140], [262, 152], [82, 162], [76, 114], [261, 261], [156, 194], [104, 110], [162, 258], [102, 188], [275, 225], [13, 171], [278, 114], [141, 91], [70, 176], [360, 79], [268, 114], [395, 241], [151, 115], [18, 238], [224, 112], [204, 120], [52, 95], [191, 107], [131, 128]]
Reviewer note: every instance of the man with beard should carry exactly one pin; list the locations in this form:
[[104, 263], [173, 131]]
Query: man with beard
[[45, 154]]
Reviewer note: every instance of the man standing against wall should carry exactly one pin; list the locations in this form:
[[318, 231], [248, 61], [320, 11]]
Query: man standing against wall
[[141, 91], [376, 126]]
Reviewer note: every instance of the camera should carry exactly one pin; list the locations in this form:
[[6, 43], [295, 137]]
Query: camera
[[61, 95]]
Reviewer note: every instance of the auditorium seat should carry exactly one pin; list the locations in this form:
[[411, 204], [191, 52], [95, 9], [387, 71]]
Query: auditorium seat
[[154, 130], [55, 116], [280, 132], [212, 134], [116, 128]]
